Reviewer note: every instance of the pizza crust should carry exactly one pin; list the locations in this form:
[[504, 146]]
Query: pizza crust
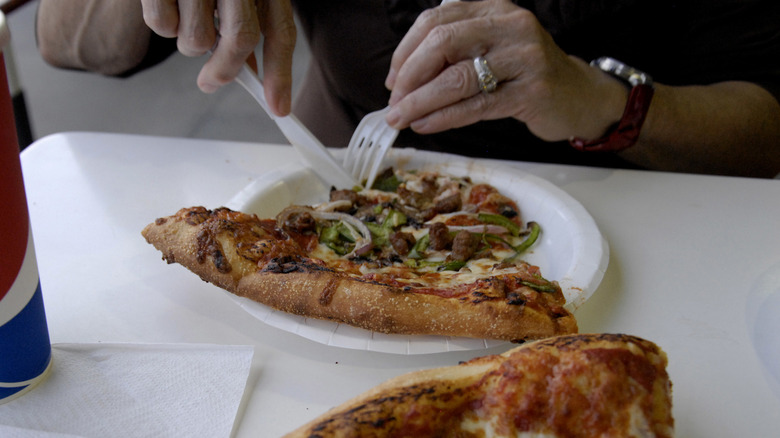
[[607, 385], [388, 309]]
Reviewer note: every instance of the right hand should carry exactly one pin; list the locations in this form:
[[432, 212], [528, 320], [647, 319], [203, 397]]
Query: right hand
[[241, 24], [435, 86]]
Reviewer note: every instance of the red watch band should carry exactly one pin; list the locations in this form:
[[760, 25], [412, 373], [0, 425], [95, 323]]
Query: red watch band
[[626, 132]]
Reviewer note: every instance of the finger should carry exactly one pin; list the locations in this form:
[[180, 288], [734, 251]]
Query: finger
[[457, 82], [278, 27], [481, 106], [162, 16], [239, 32], [427, 21], [445, 45], [197, 32]]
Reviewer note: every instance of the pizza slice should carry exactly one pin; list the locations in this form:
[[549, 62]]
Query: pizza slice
[[570, 386], [423, 254]]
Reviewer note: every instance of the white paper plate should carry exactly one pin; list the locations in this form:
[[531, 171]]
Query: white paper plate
[[571, 249]]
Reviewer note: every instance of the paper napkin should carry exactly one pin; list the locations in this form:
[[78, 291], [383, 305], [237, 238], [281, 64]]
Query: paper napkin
[[133, 390]]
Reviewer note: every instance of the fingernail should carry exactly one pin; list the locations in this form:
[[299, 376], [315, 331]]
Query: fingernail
[[393, 117], [208, 88], [390, 80], [285, 105], [419, 126]]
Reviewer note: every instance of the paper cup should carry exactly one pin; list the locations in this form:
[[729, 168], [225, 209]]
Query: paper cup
[[25, 349]]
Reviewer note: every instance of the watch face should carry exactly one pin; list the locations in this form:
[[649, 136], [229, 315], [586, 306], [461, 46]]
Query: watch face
[[622, 71]]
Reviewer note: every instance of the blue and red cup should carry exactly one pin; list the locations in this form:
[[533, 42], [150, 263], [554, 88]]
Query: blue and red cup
[[25, 348]]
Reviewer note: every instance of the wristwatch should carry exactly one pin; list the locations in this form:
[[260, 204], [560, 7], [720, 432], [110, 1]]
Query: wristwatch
[[624, 133]]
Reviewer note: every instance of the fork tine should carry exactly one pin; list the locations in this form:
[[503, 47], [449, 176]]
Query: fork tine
[[368, 146], [353, 157], [389, 137], [386, 140], [356, 148], [370, 142]]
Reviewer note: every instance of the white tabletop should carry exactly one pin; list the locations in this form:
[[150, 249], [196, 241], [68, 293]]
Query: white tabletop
[[691, 258]]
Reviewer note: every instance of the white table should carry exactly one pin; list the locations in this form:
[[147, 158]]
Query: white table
[[687, 252]]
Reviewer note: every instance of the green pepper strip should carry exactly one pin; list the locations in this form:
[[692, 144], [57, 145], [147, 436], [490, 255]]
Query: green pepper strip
[[381, 233], [389, 184], [378, 233], [345, 232], [497, 219], [338, 238], [331, 237], [419, 247], [329, 234], [338, 249], [533, 235], [531, 239], [394, 219], [539, 287], [452, 265]]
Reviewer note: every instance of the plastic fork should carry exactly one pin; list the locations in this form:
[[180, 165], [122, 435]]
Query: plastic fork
[[369, 145]]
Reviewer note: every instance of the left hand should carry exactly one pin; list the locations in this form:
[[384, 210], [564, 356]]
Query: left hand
[[435, 86]]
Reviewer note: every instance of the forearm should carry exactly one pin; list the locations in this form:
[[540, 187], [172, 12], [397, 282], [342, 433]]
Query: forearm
[[730, 128]]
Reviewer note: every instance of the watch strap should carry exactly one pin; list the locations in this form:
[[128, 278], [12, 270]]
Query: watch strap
[[625, 133]]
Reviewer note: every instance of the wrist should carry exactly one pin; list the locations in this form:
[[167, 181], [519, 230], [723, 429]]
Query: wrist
[[604, 107], [625, 132]]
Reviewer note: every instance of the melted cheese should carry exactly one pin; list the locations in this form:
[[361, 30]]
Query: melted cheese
[[485, 427]]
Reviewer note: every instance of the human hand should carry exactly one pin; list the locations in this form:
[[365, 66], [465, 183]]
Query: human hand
[[233, 41], [435, 86]]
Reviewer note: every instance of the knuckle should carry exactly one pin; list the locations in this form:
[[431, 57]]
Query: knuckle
[[442, 36], [159, 24], [284, 35], [523, 23], [288, 31], [429, 17], [242, 35], [521, 17], [459, 77], [482, 104], [195, 42], [246, 40]]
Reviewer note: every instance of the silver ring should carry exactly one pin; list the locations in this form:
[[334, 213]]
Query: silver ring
[[487, 80]]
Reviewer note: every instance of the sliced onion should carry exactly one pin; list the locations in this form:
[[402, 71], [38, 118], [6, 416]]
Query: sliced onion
[[450, 191], [452, 214], [480, 228], [363, 243], [333, 205]]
